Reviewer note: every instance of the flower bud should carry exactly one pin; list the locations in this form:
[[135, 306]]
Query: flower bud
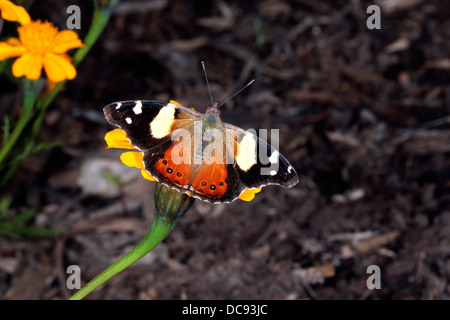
[[170, 204]]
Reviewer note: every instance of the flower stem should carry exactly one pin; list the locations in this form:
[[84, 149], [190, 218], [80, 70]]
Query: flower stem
[[31, 91], [170, 205], [158, 231], [100, 18]]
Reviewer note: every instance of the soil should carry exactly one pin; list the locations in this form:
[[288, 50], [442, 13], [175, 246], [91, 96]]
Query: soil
[[363, 116]]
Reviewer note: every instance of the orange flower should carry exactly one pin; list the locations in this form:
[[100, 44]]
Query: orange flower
[[40, 45], [117, 139], [13, 12]]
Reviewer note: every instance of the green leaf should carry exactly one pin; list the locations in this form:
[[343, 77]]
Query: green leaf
[[16, 228], [46, 146], [260, 35], [3, 65], [5, 203], [112, 178], [38, 232], [23, 217], [6, 128], [8, 233]]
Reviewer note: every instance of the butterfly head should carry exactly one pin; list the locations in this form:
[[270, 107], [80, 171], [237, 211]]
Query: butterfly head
[[214, 109]]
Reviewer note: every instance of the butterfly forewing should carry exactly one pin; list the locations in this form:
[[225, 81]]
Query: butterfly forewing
[[147, 123], [257, 163]]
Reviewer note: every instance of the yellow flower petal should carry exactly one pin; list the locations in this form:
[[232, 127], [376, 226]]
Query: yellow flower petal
[[8, 50], [147, 175], [132, 159], [118, 139], [12, 12], [136, 160], [249, 194], [58, 68], [178, 104], [28, 65], [66, 40], [175, 103]]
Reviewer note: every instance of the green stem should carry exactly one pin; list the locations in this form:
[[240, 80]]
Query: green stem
[[99, 20], [159, 230], [31, 90], [170, 205]]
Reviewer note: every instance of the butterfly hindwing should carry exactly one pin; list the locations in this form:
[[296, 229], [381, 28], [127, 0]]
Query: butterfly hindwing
[[215, 182], [215, 178]]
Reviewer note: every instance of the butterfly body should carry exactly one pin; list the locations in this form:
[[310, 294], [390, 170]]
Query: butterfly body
[[198, 153]]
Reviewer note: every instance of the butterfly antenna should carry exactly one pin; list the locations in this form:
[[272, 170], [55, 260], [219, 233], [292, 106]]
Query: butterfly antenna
[[207, 82], [251, 81]]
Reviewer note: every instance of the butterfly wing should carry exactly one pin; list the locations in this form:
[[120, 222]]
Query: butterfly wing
[[148, 123], [257, 163], [152, 127], [215, 179]]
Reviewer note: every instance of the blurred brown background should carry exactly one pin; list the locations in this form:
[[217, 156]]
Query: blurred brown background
[[363, 117]]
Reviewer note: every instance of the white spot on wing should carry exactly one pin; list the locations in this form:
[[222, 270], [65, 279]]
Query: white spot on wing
[[274, 157], [162, 123], [128, 120], [273, 172], [137, 109], [290, 169], [246, 153], [118, 105]]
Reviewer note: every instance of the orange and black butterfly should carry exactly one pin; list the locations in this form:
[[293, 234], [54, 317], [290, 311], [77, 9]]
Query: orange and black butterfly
[[198, 153]]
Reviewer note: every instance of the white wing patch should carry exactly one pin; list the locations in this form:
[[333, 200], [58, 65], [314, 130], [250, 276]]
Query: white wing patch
[[162, 123], [246, 152]]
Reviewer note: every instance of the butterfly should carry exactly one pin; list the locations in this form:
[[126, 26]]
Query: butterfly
[[197, 153]]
